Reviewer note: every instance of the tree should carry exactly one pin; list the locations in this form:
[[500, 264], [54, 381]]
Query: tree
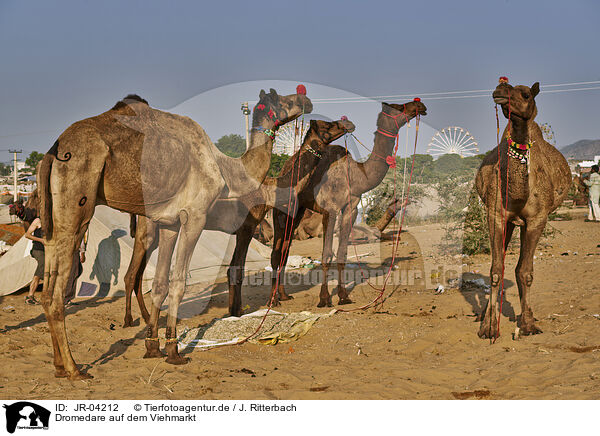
[[33, 159], [232, 145], [277, 162], [5, 170]]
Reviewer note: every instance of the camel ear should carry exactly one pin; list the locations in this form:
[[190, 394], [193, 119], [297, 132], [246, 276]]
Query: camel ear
[[262, 94], [313, 124], [273, 92], [535, 89]]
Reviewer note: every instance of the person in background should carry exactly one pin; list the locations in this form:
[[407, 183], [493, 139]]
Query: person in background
[[34, 232], [593, 182]]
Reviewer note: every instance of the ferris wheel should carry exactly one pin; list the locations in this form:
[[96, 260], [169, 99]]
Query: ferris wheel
[[288, 140], [452, 140]]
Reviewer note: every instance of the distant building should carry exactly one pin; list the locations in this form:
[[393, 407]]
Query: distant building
[[585, 165], [20, 165]]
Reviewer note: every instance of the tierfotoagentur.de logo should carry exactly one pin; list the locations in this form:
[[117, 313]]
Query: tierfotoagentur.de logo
[[25, 415]]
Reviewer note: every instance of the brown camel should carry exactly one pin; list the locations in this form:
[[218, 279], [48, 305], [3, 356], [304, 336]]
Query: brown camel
[[580, 191], [238, 216], [538, 181], [329, 195], [26, 212], [144, 161], [311, 226]]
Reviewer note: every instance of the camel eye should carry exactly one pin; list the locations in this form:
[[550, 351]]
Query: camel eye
[[526, 96]]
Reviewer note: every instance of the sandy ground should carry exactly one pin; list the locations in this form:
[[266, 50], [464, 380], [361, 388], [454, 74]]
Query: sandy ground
[[419, 345]]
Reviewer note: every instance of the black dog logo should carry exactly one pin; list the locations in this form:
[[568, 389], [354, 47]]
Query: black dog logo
[[26, 415]]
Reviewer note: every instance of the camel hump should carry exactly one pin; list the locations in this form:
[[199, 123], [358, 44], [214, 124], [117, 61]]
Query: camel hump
[[129, 99]]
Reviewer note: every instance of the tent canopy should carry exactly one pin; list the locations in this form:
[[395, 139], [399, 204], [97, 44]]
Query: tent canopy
[[109, 250]]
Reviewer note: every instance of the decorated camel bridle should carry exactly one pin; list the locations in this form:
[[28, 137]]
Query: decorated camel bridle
[[323, 140], [300, 90], [515, 150]]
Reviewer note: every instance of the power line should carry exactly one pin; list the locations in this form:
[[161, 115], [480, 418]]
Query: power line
[[448, 94]]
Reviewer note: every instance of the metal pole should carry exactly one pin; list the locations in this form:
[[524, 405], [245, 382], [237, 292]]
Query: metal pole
[[16, 192], [246, 112]]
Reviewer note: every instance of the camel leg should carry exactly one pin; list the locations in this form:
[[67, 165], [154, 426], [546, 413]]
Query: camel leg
[[281, 251], [276, 253], [73, 200], [530, 235], [489, 324], [287, 246], [160, 288], [510, 227], [348, 216], [59, 260], [191, 228], [328, 230], [235, 273], [145, 243]]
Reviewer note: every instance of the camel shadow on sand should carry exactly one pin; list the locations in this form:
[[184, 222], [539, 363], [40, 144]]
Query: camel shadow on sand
[[478, 298]]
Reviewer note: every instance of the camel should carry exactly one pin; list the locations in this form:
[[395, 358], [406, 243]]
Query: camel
[[580, 191], [238, 216], [538, 180], [141, 160], [329, 195], [26, 212], [311, 226]]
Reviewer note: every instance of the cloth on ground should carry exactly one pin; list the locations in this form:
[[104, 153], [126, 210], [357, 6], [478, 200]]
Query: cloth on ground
[[278, 327]]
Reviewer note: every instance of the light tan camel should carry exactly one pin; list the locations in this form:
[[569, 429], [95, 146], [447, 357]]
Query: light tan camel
[[239, 216], [537, 185], [330, 195], [144, 161]]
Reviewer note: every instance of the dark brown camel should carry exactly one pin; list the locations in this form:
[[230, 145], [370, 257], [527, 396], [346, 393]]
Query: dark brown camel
[[239, 216], [144, 161], [27, 212], [329, 195], [537, 185]]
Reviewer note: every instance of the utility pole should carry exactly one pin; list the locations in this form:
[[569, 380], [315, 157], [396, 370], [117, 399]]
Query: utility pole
[[16, 193], [246, 112]]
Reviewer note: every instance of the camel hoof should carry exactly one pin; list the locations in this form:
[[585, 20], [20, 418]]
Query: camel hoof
[[285, 297], [530, 329], [80, 376], [178, 360], [487, 331], [61, 373], [275, 303], [153, 354], [326, 303], [128, 322], [345, 300]]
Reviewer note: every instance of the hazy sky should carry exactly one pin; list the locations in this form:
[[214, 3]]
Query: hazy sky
[[66, 60]]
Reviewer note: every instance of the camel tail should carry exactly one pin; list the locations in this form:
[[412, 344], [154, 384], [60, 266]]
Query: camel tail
[[132, 224], [43, 180]]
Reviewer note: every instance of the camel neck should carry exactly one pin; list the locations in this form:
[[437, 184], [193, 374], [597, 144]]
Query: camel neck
[[246, 174], [302, 163], [257, 158], [375, 167], [518, 171], [519, 131]]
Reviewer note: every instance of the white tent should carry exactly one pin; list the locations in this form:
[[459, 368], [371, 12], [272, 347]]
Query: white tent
[[109, 251], [16, 267]]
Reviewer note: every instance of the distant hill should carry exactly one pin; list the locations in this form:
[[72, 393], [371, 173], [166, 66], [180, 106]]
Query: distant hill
[[584, 149]]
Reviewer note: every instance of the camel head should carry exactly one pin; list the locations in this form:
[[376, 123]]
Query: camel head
[[274, 110], [411, 109], [518, 100], [330, 131]]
